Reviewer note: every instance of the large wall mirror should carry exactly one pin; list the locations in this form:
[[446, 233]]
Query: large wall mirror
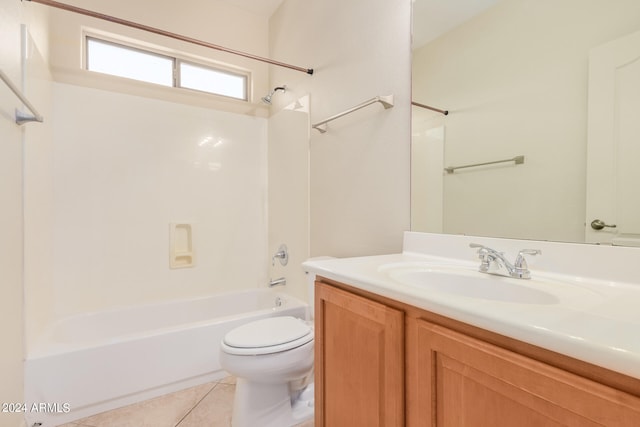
[[543, 131]]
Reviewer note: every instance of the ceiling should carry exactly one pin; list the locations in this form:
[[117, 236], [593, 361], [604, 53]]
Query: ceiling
[[431, 17], [260, 7]]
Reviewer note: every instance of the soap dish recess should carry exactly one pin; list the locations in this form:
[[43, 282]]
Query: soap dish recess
[[181, 245]]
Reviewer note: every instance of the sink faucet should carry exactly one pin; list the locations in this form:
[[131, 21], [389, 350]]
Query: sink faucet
[[494, 262]]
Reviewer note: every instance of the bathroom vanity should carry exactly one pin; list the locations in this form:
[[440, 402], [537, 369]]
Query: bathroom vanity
[[392, 349]]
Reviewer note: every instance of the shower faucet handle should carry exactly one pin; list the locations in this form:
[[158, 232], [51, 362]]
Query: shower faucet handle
[[282, 254]]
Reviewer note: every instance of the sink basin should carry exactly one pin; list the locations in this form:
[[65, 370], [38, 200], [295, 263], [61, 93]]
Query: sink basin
[[465, 282]]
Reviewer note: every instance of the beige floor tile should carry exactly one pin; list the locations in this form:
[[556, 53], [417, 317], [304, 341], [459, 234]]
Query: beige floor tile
[[214, 410], [228, 380], [208, 405], [163, 411]]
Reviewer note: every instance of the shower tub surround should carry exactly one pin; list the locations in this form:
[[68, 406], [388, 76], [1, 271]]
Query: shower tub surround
[[124, 171], [91, 363]]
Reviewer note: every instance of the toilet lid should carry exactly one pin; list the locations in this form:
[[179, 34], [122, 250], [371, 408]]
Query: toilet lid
[[269, 335]]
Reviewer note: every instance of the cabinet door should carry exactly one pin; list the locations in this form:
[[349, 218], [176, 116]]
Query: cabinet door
[[359, 361], [455, 380]]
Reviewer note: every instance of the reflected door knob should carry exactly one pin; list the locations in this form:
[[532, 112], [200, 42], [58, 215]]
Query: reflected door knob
[[598, 224]]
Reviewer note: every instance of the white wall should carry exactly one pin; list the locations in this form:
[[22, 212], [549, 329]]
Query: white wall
[[13, 140], [515, 82], [359, 169], [125, 167]]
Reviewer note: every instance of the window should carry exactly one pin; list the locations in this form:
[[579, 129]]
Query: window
[[210, 80], [134, 63], [121, 61]]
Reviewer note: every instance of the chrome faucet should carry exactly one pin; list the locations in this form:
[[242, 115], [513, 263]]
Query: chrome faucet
[[494, 262]]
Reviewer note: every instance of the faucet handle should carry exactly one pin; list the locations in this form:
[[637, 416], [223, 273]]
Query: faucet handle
[[530, 252], [521, 266], [521, 261], [483, 255], [283, 254], [483, 251]]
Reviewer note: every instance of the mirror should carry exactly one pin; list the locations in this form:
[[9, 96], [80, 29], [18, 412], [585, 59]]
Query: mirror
[[514, 76]]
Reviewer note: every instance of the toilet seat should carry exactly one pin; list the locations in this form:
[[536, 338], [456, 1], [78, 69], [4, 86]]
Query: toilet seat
[[267, 336]]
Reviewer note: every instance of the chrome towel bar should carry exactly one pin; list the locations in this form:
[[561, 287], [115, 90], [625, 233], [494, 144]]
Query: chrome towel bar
[[386, 101], [21, 118], [518, 161]]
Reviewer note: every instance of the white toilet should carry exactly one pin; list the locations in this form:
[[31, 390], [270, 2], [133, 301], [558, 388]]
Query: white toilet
[[272, 360]]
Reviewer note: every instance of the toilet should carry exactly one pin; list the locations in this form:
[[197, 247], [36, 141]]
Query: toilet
[[272, 360]]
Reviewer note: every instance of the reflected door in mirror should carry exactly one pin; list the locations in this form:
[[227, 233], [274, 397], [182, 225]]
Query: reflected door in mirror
[[613, 156]]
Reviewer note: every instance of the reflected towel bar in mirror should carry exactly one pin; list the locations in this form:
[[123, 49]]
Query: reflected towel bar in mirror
[[518, 161], [438, 110]]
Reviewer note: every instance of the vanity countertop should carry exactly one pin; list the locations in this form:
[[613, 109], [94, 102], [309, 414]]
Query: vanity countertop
[[595, 316]]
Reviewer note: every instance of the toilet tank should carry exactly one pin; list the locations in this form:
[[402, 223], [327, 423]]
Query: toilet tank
[[311, 279]]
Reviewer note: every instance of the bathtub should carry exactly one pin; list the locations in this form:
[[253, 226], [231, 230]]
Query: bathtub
[[95, 362]]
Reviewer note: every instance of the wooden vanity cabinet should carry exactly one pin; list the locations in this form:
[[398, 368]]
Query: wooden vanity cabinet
[[384, 363], [359, 354], [462, 381]]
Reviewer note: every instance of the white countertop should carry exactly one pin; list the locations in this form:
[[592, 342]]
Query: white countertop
[[594, 319]]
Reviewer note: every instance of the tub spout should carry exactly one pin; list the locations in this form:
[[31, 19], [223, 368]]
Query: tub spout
[[276, 282]]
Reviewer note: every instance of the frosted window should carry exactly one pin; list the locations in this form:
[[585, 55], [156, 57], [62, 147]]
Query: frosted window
[[138, 64], [213, 81], [122, 61]]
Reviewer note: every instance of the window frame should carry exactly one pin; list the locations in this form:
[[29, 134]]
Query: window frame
[[176, 59]]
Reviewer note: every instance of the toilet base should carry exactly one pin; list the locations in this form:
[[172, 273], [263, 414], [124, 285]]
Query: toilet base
[[303, 407], [269, 405]]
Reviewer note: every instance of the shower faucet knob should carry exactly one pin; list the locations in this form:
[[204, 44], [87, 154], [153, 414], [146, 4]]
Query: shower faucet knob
[[282, 254]]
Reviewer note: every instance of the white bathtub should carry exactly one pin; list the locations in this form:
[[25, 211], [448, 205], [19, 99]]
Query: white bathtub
[[95, 362]]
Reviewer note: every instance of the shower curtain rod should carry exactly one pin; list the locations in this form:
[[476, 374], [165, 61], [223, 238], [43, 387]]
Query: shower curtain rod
[[417, 104], [131, 24]]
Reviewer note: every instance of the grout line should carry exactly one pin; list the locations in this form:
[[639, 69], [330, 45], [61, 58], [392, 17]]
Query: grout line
[[75, 424], [215, 384]]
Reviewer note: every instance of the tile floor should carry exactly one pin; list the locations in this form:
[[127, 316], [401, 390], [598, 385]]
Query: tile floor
[[207, 405]]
